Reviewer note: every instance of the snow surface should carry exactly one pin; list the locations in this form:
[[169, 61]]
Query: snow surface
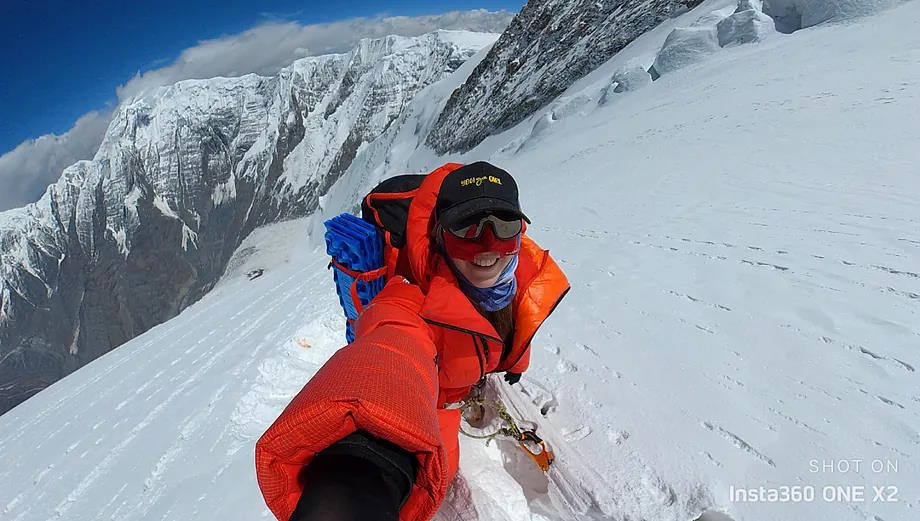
[[743, 241]]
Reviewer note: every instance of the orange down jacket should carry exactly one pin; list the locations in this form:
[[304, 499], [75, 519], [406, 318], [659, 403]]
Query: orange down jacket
[[418, 345]]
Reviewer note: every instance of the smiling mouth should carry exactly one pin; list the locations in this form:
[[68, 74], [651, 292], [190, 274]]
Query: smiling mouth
[[486, 260]]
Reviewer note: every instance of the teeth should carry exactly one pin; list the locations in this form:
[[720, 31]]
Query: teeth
[[485, 261]]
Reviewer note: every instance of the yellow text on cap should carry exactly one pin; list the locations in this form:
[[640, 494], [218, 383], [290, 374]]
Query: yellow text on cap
[[479, 180]]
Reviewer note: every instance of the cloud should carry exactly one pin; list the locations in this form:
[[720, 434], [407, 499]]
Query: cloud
[[268, 47], [279, 16], [27, 170]]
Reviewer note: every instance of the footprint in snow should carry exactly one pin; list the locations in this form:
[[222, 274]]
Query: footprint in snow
[[575, 434], [566, 366], [587, 349], [552, 349], [617, 436]]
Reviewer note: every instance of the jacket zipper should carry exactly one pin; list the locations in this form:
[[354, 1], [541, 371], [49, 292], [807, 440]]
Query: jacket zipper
[[474, 334], [460, 329], [482, 366]]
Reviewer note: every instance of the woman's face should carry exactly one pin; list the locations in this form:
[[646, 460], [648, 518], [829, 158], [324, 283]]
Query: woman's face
[[484, 269]]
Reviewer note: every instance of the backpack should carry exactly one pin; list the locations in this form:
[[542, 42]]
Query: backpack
[[367, 252], [387, 208]]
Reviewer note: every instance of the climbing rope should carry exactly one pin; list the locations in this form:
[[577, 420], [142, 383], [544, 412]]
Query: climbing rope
[[540, 454]]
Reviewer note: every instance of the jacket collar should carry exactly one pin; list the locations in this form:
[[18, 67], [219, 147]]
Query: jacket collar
[[446, 305], [541, 284]]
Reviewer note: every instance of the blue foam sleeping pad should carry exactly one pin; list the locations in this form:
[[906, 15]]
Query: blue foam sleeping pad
[[355, 244]]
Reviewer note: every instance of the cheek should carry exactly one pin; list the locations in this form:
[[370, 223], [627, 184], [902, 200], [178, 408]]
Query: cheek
[[463, 267]]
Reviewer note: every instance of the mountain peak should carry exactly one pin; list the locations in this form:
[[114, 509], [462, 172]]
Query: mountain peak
[[185, 172]]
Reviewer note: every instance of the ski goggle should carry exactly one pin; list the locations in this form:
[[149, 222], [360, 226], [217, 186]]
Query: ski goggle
[[502, 228], [467, 249]]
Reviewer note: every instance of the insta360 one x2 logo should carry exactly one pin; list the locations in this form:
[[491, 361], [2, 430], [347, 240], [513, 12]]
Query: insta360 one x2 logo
[[845, 484]]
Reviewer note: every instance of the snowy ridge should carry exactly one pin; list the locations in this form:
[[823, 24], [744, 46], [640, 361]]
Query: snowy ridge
[[184, 173]]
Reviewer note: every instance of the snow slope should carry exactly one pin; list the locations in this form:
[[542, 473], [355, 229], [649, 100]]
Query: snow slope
[[743, 240]]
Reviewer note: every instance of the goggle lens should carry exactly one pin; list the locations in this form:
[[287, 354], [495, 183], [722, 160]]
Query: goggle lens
[[503, 229]]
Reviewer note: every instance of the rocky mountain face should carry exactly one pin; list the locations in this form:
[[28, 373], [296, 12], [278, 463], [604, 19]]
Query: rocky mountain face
[[124, 242], [548, 46]]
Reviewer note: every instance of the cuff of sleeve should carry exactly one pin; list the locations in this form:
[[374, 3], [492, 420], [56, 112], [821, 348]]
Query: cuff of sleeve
[[398, 466]]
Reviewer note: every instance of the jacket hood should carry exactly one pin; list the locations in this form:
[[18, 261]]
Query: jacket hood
[[420, 225]]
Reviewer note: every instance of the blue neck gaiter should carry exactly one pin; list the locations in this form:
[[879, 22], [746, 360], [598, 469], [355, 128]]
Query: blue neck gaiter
[[492, 298]]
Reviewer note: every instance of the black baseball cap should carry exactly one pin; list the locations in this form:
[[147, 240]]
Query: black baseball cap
[[475, 189]]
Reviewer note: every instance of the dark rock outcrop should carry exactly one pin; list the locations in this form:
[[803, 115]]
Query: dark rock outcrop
[[548, 46]]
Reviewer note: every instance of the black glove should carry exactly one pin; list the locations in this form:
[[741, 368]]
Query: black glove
[[358, 478], [512, 378]]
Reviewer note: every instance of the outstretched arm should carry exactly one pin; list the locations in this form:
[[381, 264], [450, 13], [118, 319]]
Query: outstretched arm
[[385, 384]]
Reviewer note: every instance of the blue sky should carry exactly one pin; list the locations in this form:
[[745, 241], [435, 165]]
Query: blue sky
[[62, 59], [67, 64]]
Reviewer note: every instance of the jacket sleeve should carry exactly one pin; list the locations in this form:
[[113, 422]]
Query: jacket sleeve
[[384, 383]]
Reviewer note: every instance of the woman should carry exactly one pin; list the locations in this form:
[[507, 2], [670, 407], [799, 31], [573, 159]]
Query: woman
[[370, 437]]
